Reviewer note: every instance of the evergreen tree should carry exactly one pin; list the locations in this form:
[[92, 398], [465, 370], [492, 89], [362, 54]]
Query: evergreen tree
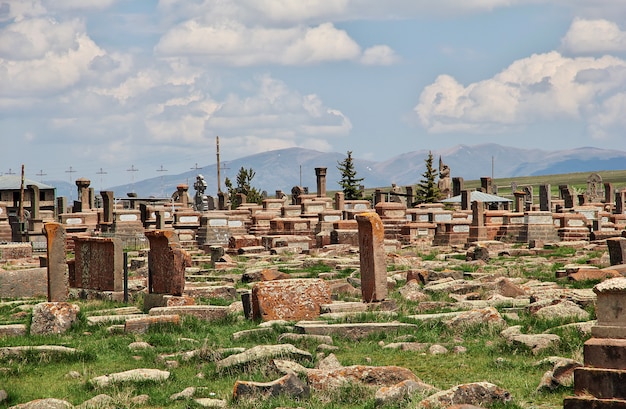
[[427, 190], [244, 185], [349, 182]]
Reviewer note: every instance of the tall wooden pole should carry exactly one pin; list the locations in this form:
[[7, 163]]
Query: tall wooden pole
[[21, 209], [219, 186]]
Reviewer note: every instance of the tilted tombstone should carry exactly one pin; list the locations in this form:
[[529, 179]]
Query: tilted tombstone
[[167, 261], [372, 257]]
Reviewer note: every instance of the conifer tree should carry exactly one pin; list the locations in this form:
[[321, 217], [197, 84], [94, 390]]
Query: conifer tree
[[349, 182], [244, 185], [427, 190]]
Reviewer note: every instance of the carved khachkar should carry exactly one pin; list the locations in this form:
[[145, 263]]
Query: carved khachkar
[[200, 199]]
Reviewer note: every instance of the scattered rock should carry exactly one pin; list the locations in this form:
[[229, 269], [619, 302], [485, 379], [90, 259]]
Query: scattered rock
[[413, 292], [101, 401], [478, 393], [53, 317], [49, 403], [289, 385], [369, 375], [260, 353], [536, 342], [395, 393], [487, 315], [563, 310], [437, 349], [133, 375]]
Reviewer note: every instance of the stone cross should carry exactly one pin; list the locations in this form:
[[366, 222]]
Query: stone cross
[[372, 257]]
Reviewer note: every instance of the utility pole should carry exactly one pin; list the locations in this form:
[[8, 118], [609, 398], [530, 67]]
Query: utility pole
[[21, 209], [132, 171], [219, 186]]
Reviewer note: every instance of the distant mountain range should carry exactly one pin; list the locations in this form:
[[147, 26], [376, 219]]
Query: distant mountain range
[[285, 168]]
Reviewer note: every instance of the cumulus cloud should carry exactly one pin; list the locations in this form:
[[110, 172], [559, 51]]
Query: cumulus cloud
[[233, 43], [594, 37], [543, 87], [379, 55]]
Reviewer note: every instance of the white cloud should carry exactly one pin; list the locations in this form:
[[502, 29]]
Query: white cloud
[[594, 37], [232, 43], [543, 87], [379, 55]]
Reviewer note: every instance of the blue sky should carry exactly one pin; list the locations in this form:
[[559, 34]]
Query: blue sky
[[112, 85]]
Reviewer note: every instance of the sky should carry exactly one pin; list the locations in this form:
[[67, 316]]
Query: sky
[[124, 90]]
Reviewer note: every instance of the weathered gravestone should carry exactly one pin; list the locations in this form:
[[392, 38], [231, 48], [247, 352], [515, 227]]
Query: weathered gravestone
[[99, 264], [617, 246], [166, 262], [58, 277], [292, 299], [372, 257]]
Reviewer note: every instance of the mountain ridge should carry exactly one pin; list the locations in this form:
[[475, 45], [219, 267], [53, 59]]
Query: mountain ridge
[[284, 168]]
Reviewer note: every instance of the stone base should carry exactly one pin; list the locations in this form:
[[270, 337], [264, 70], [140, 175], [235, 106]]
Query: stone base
[[608, 331], [87, 294], [605, 353], [587, 402], [164, 300], [600, 383]]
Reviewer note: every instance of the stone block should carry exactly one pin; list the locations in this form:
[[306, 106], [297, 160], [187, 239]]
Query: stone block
[[32, 282], [605, 353], [99, 264], [293, 299], [141, 325], [587, 402], [616, 246], [600, 383], [58, 276], [201, 312]]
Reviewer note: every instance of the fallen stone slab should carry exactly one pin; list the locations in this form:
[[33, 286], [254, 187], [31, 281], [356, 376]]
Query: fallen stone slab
[[211, 403], [201, 312], [112, 319], [12, 330], [435, 317], [407, 346], [288, 385], [488, 315], [320, 379], [536, 342], [479, 393], [563, 310], [7, 352], [115, 311], [261, 353], [291, 337], [141, 325], [223, 292], [334, 316], [343, 307], [252, 332], [49, 403], [133, 375], [97, 402], [351, 331]]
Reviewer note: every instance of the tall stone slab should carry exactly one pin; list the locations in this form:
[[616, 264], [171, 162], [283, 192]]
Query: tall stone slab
[[458, 186], [58, 277], [167, 261], [98, 264], [291, 299], [545, 200], [372, 257]]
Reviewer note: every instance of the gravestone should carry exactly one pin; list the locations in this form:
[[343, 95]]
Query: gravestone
[[617, 249], [372, 257], [167, 261], [58, 276], [520, 197], [545, 201], [457, 186], [567, 195], [609, 193], [528, 198], [486, 184], [98, 264], [595, 190], [466, 198]]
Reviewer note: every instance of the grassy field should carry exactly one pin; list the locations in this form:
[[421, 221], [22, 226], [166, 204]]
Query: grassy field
[[487, 358]]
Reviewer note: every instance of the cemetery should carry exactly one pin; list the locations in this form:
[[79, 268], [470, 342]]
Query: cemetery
[[313, 300]]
